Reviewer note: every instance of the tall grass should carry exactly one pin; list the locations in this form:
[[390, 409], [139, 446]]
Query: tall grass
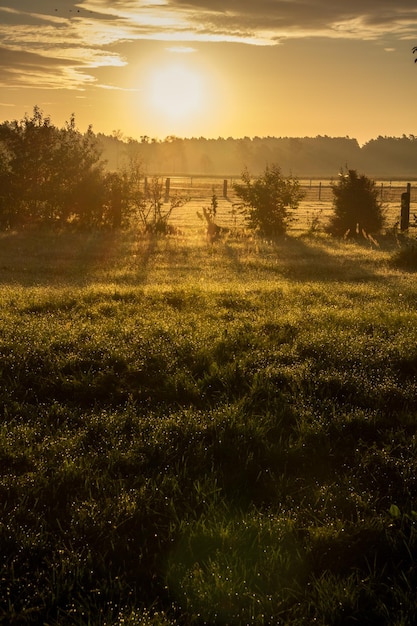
[[201, 434]]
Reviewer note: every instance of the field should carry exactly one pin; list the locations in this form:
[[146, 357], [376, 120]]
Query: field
[[207, 434]]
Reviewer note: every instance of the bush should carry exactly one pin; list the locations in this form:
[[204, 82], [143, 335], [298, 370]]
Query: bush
[[50, 175], [405, 258], [265, 201], [356, 205]]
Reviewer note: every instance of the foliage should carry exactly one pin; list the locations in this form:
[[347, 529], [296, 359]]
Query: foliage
[[212, 209], [55, 176], [140, 201], [156, 208], [266, 200], [357, 209], [406, 257]]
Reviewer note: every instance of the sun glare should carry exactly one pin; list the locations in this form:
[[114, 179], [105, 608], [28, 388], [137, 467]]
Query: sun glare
[[176, 92]]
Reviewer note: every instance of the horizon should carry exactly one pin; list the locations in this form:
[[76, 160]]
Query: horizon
[[143, 138]]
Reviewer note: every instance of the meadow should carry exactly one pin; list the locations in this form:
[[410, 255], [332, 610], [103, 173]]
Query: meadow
[[207, 434]]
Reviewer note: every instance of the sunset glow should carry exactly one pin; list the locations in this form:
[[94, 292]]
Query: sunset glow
[[175, 91], [166, 67]]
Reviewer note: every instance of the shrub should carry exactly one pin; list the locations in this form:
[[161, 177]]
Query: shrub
[[265, 201], [356, 205], [405, 258], [148, 205]]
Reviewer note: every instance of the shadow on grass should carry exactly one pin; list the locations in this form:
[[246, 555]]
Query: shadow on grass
[[42, 258], [308, 259], [303, 259], [80, 258], [45, 258]]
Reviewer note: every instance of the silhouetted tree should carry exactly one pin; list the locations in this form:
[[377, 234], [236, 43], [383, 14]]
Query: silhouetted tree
[[49, 175], [32, 144], [357, 209], [266, 200]]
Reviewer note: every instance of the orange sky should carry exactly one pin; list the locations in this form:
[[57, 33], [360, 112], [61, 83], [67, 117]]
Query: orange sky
[[210, 68]]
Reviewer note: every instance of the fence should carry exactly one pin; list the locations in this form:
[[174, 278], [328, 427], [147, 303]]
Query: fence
[[314, 190], [316, 206]]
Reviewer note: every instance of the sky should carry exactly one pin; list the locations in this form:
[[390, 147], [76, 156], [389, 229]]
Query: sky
[[213, 68]]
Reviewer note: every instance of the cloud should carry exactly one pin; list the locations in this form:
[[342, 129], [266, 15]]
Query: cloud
[[181, 49], [58, 43], [276, 19], [27, 69]]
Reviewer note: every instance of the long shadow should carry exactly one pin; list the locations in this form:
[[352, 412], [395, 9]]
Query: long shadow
[[233, 257], [300, 259], [307, 260], [51, 259], [143, 256], [41, 259], [46, 258]]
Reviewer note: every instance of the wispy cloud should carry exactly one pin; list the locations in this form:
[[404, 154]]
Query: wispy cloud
[[181, 49], [115, 88], [57, 43]]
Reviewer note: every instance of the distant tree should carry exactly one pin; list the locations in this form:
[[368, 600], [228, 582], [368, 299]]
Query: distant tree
[[265, 201], [357, 209]]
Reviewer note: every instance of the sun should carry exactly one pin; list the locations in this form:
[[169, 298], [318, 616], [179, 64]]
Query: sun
[[176, 91]]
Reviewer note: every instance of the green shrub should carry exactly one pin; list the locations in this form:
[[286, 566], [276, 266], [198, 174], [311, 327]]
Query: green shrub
[[265, 201], [405, 258], [357, 209]]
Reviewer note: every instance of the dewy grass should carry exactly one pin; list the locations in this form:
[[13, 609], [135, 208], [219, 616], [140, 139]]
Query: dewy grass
[[206, 434]]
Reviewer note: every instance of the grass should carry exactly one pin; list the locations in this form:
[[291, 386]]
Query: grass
[[197, 434]]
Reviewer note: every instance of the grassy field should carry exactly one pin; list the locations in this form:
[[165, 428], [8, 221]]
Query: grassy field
[[206, 434]]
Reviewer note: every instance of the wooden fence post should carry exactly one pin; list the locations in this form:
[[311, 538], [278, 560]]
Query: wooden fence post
[[167, 188], [405, 208], [225, 189]]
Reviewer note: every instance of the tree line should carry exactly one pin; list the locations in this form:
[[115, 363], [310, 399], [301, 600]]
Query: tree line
[[306, 157]]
